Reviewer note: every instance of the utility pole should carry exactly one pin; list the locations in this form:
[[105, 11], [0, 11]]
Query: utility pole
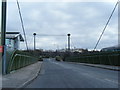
[[34, 41], [119, 23], [68, 42], [1, 48], [3, 33]]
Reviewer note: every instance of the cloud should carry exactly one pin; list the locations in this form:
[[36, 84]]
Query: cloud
[[61, 15], [84, 21], [64, 0]]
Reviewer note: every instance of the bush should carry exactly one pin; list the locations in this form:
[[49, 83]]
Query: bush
[[40, 58], [58, 58]]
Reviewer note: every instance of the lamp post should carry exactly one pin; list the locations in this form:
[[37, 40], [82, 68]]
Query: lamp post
[[68, 42], [34, 41]]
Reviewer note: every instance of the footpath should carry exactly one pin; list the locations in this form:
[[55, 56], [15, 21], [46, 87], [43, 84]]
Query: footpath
[[21, 77], [109, 67]]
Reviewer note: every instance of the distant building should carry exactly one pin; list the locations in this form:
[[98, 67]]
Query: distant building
[[61, 50], [13, 40], [79, 50], [114, 48]]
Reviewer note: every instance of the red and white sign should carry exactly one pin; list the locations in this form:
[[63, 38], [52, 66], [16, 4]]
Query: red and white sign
[[1, 49]]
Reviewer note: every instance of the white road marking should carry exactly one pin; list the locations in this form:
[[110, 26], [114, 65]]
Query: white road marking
[[111, 80]]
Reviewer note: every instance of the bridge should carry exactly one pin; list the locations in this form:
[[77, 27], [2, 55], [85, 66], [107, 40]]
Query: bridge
[[60, 68]]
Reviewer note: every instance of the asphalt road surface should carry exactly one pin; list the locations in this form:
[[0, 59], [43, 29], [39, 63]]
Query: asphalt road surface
[[56, 74]]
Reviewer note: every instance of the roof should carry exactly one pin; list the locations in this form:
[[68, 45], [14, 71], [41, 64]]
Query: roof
[[117, 47], [13, 35]]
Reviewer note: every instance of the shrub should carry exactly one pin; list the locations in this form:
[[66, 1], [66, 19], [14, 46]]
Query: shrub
[[58, 58], [40, 58]]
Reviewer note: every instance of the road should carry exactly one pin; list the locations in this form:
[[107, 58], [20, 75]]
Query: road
[[56, 74]]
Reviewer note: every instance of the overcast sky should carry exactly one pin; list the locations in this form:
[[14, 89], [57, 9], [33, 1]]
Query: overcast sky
[[83, 20]]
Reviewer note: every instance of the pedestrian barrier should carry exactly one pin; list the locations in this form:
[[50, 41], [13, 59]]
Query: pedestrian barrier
[[106, 58], [20, 59]]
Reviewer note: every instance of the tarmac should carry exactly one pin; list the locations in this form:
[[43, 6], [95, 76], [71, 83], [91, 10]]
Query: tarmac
[[21, 77], [109, 67]]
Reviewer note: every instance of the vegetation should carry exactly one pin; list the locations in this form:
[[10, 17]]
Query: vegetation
[[40, 58], [58, 58]]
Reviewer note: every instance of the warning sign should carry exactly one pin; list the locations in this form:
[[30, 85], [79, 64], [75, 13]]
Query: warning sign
[[1, 49]]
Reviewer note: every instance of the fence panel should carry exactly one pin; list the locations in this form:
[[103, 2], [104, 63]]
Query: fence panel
[[105, 58], [19, 59]]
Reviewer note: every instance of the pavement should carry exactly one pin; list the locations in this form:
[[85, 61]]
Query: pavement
[[115, 68], [0, 74], [21, 77], [0, 81], [55, 74]]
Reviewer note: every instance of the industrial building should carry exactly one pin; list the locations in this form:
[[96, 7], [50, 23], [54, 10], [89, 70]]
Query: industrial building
[[113, 48], [13, 40]]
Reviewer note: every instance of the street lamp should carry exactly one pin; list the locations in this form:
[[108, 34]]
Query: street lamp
[[34, 41], [68, 42]]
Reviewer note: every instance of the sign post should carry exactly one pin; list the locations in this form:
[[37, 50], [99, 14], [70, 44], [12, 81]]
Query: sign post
[[0, 45], [1, 49], [3, 32]]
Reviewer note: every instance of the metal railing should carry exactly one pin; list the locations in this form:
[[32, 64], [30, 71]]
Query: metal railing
[[97, 58], [20, 59]]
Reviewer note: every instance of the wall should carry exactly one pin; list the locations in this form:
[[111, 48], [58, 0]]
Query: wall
[[16, 44], [10, 44], [13, 44]]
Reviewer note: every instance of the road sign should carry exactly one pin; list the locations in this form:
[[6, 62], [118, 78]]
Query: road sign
[[1, 49], [3, 8]]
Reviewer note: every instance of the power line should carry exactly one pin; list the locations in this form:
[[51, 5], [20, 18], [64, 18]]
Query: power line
[[22, 24], [106, 25]]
